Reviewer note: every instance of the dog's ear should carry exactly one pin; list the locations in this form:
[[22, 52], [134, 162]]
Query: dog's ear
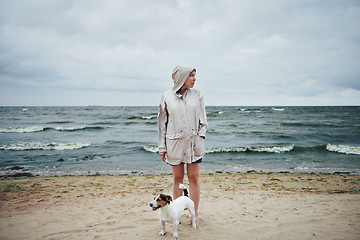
[[168, 199]]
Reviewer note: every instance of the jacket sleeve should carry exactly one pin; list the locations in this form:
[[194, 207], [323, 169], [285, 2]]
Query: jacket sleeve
[[202, 120], [162, 124]]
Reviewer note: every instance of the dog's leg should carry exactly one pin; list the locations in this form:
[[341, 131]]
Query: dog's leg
[[192, 211], [175, 234], [162, 233]]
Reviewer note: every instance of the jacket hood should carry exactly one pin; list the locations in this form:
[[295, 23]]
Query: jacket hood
[[179, 76]]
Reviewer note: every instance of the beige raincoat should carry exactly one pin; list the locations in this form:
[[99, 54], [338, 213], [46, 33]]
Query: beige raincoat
[[182, 121]]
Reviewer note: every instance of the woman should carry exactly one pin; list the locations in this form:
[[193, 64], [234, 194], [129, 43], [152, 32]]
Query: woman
[[182, 127]]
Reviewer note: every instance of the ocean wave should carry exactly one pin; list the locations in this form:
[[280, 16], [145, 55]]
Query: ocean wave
[[274, 149], [59, 122], [119, 142], [151, 148], [76, 128], [230, 149], [70, 128], [266, 149], [278, 109], [42, 128], [149, 117], [23, 129], [252, 110], [215, 114], [44, 146], [343, 149]]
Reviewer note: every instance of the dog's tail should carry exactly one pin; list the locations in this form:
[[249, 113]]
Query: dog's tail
[[182, 186]]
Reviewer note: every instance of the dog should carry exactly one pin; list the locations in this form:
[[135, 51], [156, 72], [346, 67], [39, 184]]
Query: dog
[[171, 211]]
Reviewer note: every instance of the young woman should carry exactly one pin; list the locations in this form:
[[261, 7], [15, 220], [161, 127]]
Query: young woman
[[182, 126]]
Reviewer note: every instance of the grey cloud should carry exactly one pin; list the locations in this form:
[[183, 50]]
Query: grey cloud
[[248, 48]]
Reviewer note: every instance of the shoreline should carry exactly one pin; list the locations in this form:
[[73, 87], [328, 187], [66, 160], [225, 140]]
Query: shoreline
[[233, 205], [18, 172]]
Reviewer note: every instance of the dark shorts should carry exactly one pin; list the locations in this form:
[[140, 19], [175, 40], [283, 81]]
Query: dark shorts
[[198, 161]]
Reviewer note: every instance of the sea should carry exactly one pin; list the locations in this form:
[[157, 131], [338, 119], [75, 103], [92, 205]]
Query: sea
[[97, 140]]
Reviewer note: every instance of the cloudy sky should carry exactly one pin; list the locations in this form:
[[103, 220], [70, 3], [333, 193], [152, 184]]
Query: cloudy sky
[[118, 52]]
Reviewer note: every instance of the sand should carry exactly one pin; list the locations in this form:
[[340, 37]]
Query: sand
[[233, 206]]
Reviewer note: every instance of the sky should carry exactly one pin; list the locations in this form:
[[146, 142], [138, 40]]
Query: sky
[[122, 52]]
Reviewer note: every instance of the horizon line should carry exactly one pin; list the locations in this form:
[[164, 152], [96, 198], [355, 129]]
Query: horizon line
[[156, 105]]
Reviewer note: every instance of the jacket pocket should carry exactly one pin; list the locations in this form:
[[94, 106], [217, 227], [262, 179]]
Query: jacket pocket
[[174, 145], [173, 136], [199, 147]]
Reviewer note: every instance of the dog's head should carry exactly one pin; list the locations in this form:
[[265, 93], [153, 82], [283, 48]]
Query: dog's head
[[160, 201]]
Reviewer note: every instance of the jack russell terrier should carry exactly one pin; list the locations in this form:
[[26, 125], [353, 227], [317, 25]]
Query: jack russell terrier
[[171, 211]]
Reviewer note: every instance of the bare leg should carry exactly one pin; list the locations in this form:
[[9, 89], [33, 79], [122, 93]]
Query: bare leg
[[193, 174], [178, 173]]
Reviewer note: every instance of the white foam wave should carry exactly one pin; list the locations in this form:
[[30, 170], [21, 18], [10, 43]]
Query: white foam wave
[[278, 109], [70, 128], [39, 129], [343, 149], [231, 149], [44, 146], [148, 117], [22, 129], [270, 149], [255, 110], [151, 148]]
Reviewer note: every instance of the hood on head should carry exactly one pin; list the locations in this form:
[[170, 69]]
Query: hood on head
[[179, 76]]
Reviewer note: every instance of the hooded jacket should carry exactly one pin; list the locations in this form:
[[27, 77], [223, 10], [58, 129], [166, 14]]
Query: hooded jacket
[[182, 121]]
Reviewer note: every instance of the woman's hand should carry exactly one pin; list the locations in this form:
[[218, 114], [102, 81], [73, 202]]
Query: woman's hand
[[163, 156]]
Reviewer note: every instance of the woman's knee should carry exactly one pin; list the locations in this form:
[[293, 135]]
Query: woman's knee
[[193, 172], [193, 177], [178, 174], [178, 179]]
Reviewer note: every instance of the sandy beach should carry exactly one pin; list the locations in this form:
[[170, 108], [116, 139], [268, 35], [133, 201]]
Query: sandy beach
[[233, 206]]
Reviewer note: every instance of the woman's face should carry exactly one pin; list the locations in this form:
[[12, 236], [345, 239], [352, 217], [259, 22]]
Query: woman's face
[[190, 81]]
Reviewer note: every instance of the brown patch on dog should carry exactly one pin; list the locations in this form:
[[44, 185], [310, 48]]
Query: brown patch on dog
[[161, 200], [168, 198]]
